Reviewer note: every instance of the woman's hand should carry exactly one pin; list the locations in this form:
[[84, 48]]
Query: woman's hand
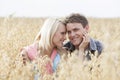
[[24, 56]]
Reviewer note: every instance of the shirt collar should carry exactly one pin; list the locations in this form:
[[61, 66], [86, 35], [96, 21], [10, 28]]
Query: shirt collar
[[92, 45]]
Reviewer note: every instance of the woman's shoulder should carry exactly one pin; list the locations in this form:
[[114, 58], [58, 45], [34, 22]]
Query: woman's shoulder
[[31, 50]]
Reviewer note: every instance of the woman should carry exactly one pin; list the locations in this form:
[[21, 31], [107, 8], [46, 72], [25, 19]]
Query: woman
[[49, 41]]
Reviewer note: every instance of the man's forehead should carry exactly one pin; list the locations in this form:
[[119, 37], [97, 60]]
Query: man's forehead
[[75, 25]]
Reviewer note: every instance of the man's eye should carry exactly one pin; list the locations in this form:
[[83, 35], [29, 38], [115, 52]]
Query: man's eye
[[76, 30]]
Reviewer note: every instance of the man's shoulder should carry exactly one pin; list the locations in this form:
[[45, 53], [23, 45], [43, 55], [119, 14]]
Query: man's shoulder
[[99, 45]]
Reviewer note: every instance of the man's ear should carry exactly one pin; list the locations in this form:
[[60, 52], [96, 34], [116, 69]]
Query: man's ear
[[87, 28]]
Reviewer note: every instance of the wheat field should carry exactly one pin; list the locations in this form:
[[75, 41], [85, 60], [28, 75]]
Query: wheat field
[[16, 33]]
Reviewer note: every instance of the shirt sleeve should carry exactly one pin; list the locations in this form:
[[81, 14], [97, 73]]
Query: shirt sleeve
[[99, 47]]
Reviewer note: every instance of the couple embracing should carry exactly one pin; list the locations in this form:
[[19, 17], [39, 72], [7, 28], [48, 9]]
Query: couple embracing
[[49, 41]]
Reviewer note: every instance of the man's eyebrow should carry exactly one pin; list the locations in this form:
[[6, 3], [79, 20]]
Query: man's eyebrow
[[76, 28]]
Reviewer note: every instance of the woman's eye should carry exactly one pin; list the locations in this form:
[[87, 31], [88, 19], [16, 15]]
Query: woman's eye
[[68, 32], [62, 33]]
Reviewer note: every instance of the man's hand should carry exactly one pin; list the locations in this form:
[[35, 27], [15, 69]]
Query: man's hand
[[85, 42]]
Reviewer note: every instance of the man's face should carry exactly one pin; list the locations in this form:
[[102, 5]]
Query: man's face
[[75, 33]]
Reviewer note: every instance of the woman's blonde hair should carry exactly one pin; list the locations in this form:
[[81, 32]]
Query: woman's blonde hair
[[45, 36]]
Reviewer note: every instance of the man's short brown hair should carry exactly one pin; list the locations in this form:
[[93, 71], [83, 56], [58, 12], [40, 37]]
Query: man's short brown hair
[[76, 18]]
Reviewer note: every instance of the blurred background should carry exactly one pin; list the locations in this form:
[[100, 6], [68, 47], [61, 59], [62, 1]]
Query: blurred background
[[45, 8]]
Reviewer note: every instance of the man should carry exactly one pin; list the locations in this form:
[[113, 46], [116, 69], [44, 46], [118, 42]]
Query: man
[[77, 29]]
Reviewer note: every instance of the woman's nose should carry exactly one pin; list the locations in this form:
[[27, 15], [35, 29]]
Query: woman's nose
[[64, 37]]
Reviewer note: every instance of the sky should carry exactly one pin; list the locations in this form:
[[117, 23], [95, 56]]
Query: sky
[[46, 8]]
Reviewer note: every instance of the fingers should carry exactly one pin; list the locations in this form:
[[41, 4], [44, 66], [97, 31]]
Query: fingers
[[24, 57], [83, 31], [86, 37], [85, 41]]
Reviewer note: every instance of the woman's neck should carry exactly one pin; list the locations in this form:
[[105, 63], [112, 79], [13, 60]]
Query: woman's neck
[[49, 52]]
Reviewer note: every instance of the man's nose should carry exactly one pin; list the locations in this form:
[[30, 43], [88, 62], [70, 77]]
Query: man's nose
[[72, 33]]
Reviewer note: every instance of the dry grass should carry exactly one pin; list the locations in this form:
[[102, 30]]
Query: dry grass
[[18, 32]]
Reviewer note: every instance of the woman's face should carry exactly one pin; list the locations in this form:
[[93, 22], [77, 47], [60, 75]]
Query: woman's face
[[60, 36]]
